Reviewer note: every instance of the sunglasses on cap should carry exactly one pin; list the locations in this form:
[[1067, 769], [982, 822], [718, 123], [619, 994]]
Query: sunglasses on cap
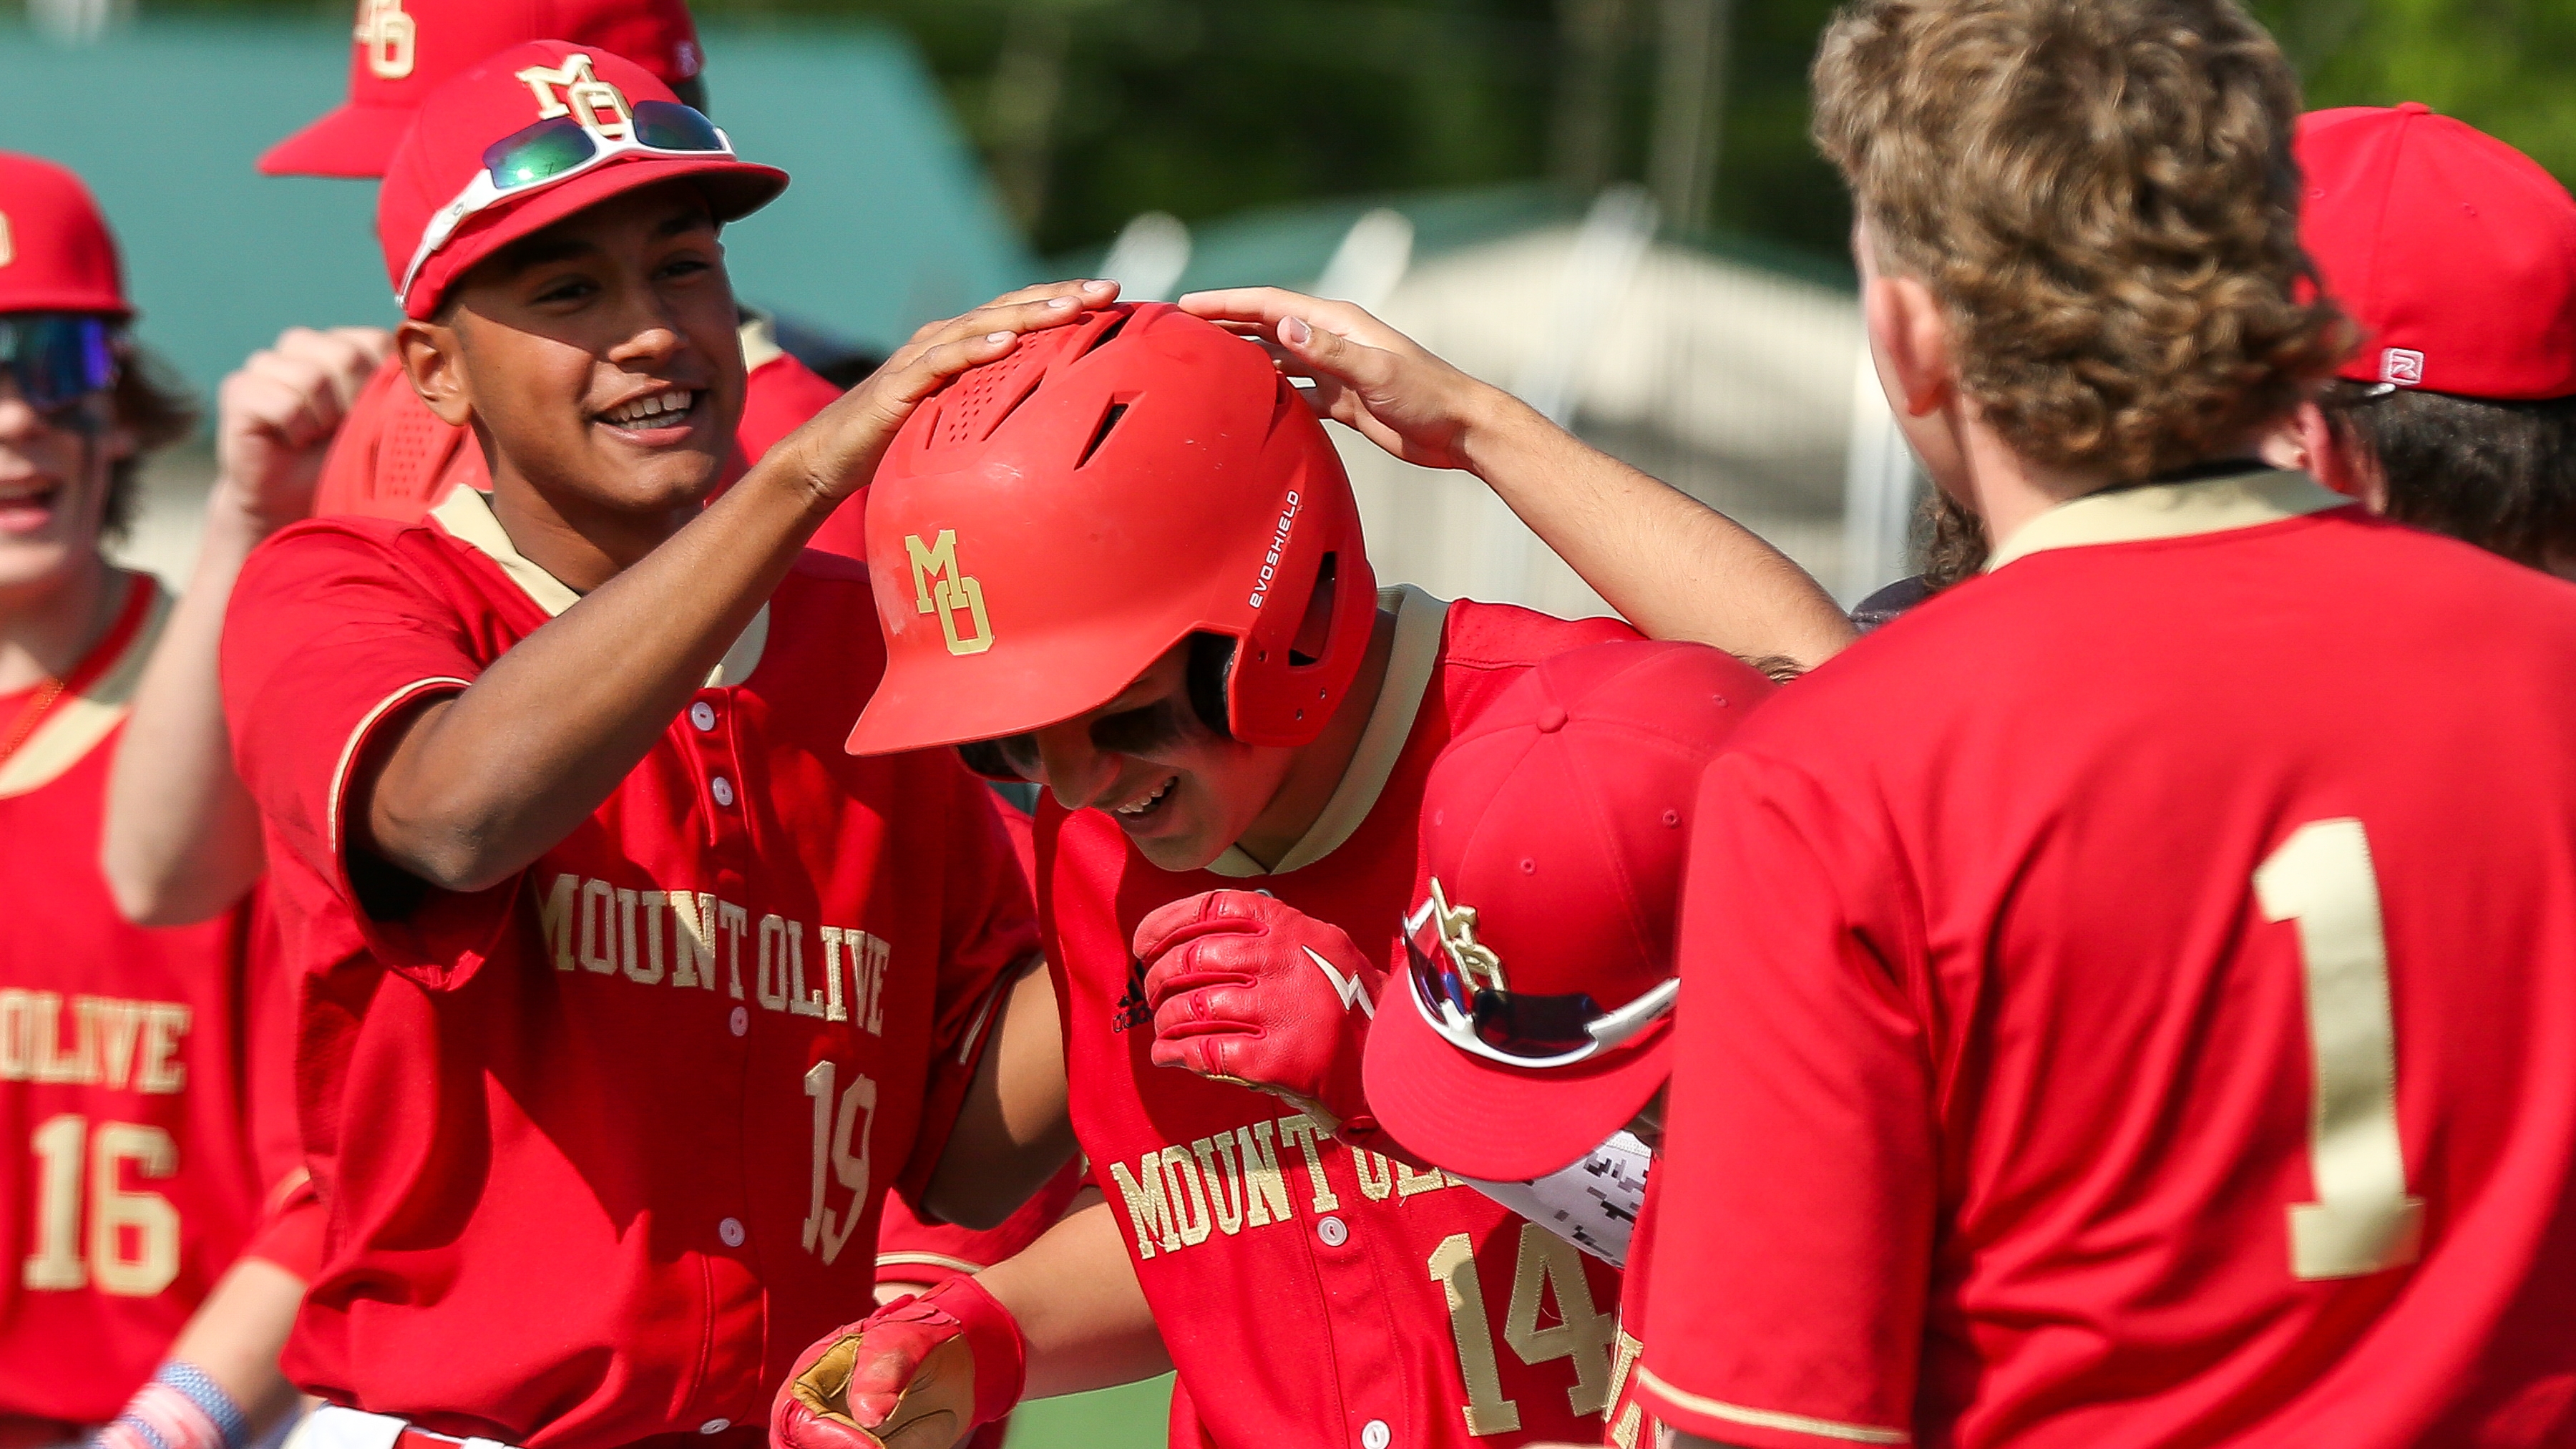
[[557, 149], [1458, 985], [57, 359]]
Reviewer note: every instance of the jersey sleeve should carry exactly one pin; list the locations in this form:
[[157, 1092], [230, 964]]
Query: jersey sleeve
[[989, 933], [332, 637], [1799, 1182]]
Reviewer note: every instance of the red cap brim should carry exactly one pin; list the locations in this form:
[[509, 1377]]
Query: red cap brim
[[734, 189], [1496, 1123], [353, 142]]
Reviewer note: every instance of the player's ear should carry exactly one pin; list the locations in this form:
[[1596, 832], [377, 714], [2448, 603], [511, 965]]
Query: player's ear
[[1911, 337], [435, 363]]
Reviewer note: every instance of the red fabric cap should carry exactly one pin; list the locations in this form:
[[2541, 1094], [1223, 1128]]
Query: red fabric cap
[[2455, 252], [490, 102], [1561, 819], [56, 253], [402, 50]]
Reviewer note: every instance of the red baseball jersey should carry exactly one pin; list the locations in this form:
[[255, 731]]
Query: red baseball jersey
[[1630, 1422], [130, 1083], [1311, 1294], [602, 1147], [393, 458], [2131, 1000]]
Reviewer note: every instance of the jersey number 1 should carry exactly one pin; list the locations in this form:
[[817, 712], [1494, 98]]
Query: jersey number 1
[[2363, 1220]]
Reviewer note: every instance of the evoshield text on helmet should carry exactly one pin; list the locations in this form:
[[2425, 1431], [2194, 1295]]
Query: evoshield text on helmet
[[1047, 526]]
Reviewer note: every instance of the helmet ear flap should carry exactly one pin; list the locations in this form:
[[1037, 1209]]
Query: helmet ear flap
[[1279, 696]]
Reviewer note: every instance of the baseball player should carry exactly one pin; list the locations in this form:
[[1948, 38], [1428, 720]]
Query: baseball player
[[394, 459], [1530, 1015], [1126, 563], [140, 1138], [2173, 986], [2456, 255], [625, 994]]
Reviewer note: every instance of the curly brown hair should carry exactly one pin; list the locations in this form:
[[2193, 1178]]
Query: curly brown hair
[[2100, 194], [152, 404]]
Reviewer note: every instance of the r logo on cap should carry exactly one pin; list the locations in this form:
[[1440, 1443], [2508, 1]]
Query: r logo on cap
[[386, 34], [2401, 367], [938, 588], [600, 107]]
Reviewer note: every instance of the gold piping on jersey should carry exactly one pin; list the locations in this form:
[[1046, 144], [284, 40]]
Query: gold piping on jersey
[[1410, 667], [2171, 510], [75, 726], [1771, 1418], [467, 516], [759, 334]]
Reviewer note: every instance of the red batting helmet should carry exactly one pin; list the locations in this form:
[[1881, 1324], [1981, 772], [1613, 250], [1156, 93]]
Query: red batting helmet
[[1043, 529]]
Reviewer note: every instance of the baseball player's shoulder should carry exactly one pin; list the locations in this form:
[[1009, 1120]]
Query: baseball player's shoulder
[[1479, 635]]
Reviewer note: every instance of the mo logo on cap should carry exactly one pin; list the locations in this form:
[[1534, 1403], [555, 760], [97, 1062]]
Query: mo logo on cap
[[573, 91], [8, 248], [938, 588], [387, 37]]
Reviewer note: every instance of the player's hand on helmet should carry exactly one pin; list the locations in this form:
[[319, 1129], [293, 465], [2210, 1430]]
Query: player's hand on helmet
[[919, 1373], [1246, 988], [275, 418], [1368, 376], [838, 450]]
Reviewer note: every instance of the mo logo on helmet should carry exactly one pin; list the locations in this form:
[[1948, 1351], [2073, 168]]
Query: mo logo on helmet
[[938, 588]]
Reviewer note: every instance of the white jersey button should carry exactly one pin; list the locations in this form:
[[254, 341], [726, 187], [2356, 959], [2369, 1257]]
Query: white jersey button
[[722, 789], [1333, 1231], [731, 1231], [741, 1020], [1376, 1435], [714, 1426], [703, 715]]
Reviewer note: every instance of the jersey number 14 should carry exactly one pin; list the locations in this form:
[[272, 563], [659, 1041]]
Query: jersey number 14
[[2363, 1220]]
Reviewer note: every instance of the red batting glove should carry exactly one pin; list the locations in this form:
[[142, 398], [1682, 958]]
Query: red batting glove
[[1249, 989], [919, 1373]]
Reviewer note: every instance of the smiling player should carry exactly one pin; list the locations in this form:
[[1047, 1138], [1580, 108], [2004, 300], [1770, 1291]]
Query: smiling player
[[626, 994]]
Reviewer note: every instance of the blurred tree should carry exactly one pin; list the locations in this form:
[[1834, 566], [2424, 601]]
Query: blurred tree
[[1091, 111]]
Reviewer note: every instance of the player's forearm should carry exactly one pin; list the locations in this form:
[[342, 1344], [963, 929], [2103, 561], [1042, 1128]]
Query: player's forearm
[[236, 1335], [1670, 564], [1014, 1132], [486, 781], [181, 840], [1081, 1311]]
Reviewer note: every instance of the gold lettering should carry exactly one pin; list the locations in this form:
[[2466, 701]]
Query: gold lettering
[[769, 985], [120, 1022], [938, 588], [1225, 1189], [735, 921], [1410, 1180], [598, 932], [877, 953], [1195, 1224], [799, 1000], [1149, 1216], [693, 939], [164, 1022], [651, 972], [52, 1065], [1264, 1190], [1300, 1129], [17, 1035], [554, 918], [834, 1007], [1377, 1178], [626, 934]]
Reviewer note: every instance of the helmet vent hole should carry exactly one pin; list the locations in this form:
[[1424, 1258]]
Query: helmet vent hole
[[1100, 435], [1102, 338]]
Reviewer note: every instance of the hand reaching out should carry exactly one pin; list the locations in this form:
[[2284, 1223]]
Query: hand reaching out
[[838, 450], [1368, 376]]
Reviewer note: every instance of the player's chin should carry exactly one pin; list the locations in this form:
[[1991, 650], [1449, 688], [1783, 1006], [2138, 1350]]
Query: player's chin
[[662, 478]]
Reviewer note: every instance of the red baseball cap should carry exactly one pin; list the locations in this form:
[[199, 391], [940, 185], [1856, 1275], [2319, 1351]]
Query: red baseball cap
[[2455, 252], [542, 80], [404, 49], [56, 253], [1553, 833]]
